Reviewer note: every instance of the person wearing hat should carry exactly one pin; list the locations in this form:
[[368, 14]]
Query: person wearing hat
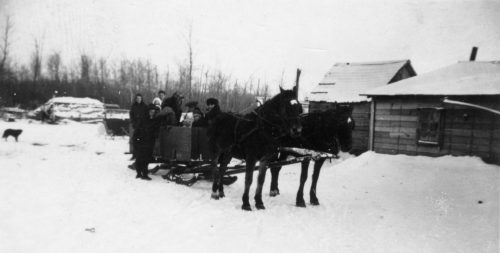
[[144, 142], [157, 102], [213, 109], [198, 118]]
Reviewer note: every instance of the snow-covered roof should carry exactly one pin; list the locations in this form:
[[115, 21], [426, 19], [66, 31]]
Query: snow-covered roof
[[345, 81], [463, 78], [75, 108], [75, 100]]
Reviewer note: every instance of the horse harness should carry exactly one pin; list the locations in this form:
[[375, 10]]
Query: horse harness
[[258, 126]]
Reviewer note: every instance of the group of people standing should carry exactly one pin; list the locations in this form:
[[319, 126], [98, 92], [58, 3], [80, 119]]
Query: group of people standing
[[146, 121]]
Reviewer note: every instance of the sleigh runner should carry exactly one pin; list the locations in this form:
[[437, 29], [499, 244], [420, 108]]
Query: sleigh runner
[[185, 151]]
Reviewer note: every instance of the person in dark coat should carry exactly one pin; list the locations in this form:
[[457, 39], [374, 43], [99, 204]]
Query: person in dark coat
[[144, 142], [138, 113], [198, 118], [162, 96], [174, 102], [213, 109]]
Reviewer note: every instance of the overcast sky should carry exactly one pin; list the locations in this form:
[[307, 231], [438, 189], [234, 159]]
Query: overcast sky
[[262, 38]]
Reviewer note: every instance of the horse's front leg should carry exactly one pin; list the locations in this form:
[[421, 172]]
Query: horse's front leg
[[215, 177], [300, 202], [275, 173], [226, 158], [317, 168], [250, 164], [259, 204]]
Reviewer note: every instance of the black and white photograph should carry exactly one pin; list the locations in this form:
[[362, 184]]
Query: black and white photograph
[[250, 126]]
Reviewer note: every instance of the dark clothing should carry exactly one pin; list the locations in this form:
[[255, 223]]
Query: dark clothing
[[167, 117], [208, 118], [173, 103], [138, 113], [202, 122], [212, 114], [145, 136]]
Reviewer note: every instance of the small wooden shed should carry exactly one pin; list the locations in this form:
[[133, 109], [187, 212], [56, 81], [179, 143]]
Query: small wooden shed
[[454, 110], [343, 83]]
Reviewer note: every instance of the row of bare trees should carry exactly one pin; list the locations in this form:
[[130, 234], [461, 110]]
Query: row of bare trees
[[114, 82]]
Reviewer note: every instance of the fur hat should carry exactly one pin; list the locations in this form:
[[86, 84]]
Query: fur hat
[[212, 101]]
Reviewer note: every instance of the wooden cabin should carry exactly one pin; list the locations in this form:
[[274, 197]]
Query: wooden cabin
[[454, 110], [343, 83]]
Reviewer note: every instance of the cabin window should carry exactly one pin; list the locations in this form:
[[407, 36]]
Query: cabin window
[[429, 126]]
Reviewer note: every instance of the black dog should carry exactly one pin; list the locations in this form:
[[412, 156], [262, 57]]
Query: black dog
[[12, 132]]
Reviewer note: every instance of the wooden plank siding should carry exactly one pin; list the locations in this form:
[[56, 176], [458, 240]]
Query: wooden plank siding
[[361, 117], [465, 130]]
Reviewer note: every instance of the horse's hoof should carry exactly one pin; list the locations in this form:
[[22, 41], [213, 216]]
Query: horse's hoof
[[246, 207], [315, 202], [274, 193], [300, 204], [260, 206], [215, 195], [221, 195]]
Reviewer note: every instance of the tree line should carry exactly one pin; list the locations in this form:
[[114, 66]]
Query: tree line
[[114, 82]]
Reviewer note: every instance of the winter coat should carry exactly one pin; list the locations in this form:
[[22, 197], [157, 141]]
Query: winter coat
[[144, 138], [138, 113], [212, 114], [202, 122], [167, 117]]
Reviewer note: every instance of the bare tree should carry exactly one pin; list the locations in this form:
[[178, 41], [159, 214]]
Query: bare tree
[[167, 80], [36, 62], [103, 70], [53, 66], [85, 64], [5, 45], [189, 74]]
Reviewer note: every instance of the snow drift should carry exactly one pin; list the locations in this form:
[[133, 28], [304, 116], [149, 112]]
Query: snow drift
[[65, 188]]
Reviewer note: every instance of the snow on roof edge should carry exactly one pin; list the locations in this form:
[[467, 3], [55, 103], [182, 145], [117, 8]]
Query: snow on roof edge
[[75, 100]]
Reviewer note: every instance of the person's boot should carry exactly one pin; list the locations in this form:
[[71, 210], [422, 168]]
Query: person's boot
[[145, 177], [139, 174], [145, 174], [133, 166]]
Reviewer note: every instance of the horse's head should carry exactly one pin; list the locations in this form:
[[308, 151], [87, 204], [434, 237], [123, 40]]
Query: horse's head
[[283, 111], [340, 124]]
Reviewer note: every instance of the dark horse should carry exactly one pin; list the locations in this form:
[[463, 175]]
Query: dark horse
[[253, 137], [322, 131]]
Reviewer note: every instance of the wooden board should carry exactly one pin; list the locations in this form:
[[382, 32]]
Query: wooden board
[[184, 144], [175, 143]]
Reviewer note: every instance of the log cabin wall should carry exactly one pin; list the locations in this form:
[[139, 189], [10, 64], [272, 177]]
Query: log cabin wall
[[462, 131]]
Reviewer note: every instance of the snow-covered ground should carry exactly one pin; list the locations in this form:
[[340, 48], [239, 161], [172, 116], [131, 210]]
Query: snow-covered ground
[[66, 188]]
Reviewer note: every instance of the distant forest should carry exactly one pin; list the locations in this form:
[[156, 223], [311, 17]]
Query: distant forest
[[28, 86]]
